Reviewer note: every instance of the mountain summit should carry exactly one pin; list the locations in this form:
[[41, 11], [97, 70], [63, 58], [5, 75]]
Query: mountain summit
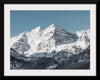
[[53, 38]]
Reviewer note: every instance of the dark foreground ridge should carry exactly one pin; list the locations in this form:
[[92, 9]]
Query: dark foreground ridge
[[59, 60]]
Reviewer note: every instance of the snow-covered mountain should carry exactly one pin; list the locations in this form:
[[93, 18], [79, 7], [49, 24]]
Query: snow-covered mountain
[[53, 38], [50, 48]]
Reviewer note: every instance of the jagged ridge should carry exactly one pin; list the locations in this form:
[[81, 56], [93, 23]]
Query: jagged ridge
[[53, 38]]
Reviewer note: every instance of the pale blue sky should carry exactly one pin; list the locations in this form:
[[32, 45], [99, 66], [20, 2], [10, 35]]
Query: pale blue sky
[[71, 21]]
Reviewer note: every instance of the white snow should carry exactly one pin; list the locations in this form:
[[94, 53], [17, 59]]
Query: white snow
[[49, 39], [52, 66]]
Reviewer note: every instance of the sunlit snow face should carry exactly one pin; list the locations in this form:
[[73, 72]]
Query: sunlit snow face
[[53, 38]]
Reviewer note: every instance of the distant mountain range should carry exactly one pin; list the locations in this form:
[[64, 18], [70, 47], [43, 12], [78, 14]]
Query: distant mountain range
[[50, 48]]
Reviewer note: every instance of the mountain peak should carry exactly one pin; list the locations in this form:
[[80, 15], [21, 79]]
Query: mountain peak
[[53, 24], [54, 27], [38, 28], [46, 40]]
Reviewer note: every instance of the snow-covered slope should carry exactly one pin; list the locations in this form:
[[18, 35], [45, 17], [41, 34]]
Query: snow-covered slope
[[34, 37], [53, 38], [20, 43], [78, 46]]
